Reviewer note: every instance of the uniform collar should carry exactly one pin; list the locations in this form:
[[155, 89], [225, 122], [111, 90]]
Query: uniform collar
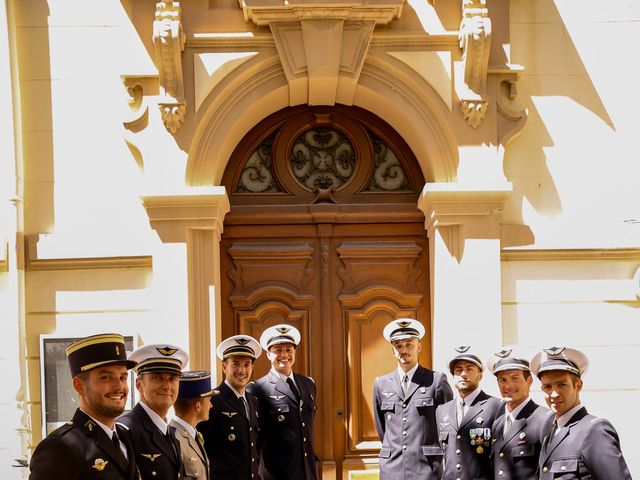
[[235, 392], [516, 411], [157, 420], [185, 425], [410, 373], [564, 419], [106, 429], [469, 399], [282, 376]]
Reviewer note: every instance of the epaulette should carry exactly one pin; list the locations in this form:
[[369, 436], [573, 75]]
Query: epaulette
[[122, 425], [67, 427]]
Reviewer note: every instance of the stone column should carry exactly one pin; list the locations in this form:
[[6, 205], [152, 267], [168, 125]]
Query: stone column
[[463, 225], [195, 216]]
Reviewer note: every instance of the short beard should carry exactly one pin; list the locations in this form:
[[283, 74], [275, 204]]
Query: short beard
[[108, 412]]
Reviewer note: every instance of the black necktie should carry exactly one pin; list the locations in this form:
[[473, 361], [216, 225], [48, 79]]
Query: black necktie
[[293, 388], [169, 438], [116, 443], [245, 406]]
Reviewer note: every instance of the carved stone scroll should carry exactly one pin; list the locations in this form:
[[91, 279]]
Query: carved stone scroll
[[168, 39], [475, 41]]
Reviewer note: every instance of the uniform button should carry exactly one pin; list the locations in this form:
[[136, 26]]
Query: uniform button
[[404, 419], [304, 439], [501, 454], [545, 469], [404, 405], [458, 467], [404, 447], [458, 451], [252, 444], [153, 473], [563, 468], [232, 428], [458, 437], [521, 452], [195, 475], [250, 429], [500, 473], [253, 459], [303, 424], [193, 459], [404, 433]]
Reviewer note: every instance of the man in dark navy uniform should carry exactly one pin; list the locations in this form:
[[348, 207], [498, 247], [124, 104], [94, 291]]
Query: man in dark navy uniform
[[577, 445], [519, 430], [231, 433], [154, 442], [465, 423], [91, 446], [405, 403], [287, 410]]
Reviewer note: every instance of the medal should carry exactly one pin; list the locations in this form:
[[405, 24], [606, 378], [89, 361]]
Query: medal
[[479, 449]]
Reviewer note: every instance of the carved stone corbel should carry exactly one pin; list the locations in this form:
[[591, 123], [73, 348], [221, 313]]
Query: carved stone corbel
[[475, 42], [474, 111], [168, 39]]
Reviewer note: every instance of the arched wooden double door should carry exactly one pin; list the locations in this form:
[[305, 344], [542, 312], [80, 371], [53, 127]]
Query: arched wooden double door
[[324, 233]]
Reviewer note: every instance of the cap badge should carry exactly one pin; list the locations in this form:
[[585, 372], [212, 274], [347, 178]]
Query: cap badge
[[403, 324], [283, 330], [99, 464], [151, 456], [242, 341], [462, 348], [554, 351], [167, 351], [89, 425], [229, 414], [503, 353], [117, 350]]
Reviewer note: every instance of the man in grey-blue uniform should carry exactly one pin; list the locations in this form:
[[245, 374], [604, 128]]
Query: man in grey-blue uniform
[[405, 402], [578, 445], [518, 432], [464, 423]]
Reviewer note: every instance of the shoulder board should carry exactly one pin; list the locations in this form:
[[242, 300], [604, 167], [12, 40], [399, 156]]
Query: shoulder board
[[122, 425], [311, 379], [67, 427]]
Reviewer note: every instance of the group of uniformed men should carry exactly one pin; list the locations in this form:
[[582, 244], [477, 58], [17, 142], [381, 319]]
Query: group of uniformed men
[[264, 430], [427, 432], [214, 433]]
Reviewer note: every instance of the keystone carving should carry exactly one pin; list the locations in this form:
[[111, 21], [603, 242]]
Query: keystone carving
[[168, 40]]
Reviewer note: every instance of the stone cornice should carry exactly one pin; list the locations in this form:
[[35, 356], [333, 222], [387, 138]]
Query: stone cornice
[[453, 203], [561, 254], [171, 214], [263, 13]]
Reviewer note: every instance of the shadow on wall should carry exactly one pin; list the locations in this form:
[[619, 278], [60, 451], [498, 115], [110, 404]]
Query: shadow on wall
[[542, 43]]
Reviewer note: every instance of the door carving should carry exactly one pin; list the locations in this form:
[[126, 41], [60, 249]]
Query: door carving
[[324, 234]]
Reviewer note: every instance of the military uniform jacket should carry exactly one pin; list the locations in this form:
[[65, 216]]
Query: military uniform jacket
[[515, 456], [462, 460], [230, 438], [406, 424], [156, 456], [286, 428], [81, 450], [194, 458], [585, 448]]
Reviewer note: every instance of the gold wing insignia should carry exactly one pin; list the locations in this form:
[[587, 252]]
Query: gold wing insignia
[[151, 456]]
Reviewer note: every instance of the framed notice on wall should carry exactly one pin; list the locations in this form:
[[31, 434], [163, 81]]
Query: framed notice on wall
[[59, 399]]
